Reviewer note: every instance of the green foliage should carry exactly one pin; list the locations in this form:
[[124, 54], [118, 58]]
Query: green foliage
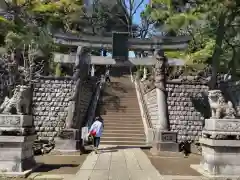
[[202, 55], [213, 25]]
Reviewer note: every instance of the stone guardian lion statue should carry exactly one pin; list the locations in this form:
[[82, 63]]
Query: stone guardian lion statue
[[219, 108], [20, 101]]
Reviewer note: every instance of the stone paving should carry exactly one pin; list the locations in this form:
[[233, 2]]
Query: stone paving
[[118, 164]]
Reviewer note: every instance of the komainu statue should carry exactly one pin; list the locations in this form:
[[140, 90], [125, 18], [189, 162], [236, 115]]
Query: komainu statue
[[219, 108], [20, 101]]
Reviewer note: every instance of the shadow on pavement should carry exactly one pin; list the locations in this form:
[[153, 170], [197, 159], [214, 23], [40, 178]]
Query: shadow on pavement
[[51, 167]]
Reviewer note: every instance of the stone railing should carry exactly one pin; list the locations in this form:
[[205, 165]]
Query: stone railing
[[94, 102], [144, 113], [92, 108], [151, 103]]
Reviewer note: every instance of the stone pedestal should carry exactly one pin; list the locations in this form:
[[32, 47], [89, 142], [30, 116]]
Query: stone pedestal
[[16, 145], [68, 140], [219, 158], [16, 125], [220, 148], [16, 153], [16, 121], [221, 127], [164, 141]]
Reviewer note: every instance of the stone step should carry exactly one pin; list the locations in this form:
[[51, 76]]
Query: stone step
[[130, 139], [123, 131], [122, 110], [124, 93], [123, 128], [122, 117], [124, 143], [120, 124], [127, 120], [122, 121], [116, 114], [119, 94], [119, 104], [128, 102], [122, 114], [110, 112], [125, 108], [121, 97], [130, 135], [118, 107]]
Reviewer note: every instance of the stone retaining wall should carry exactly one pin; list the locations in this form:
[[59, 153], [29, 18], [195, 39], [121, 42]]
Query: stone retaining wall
[[50, 104], [187, 107]]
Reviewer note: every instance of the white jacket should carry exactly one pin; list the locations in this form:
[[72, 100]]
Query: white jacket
[[98, 127]]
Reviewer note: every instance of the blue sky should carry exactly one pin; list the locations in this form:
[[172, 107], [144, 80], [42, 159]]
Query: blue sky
[[136, 18]]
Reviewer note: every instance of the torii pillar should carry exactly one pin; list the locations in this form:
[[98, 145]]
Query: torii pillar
[[163, 139]]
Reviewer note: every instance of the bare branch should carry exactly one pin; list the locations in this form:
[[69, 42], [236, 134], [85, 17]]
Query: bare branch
[[137, 7]]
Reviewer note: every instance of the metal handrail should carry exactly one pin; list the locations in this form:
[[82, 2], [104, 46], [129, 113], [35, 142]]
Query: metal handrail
[[145, 109]]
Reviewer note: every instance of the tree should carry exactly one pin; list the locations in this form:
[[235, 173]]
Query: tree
[[211, 24], [130, 7]]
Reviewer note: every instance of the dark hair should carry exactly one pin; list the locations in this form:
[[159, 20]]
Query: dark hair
[[98, 118]]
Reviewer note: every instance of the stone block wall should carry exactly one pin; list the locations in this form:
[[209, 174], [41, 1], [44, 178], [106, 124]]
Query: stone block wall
[[187, 107], [50, 104]]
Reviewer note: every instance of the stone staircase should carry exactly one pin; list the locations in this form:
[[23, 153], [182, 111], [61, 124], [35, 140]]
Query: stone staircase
[[119, 106]]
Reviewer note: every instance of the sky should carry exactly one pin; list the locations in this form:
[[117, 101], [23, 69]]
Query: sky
[[136, 18]]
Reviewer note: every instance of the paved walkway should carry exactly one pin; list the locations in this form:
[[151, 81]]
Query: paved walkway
[[118, 164]]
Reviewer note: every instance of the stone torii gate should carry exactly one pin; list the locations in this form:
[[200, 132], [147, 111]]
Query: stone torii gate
[[163, 139], [119, 41]]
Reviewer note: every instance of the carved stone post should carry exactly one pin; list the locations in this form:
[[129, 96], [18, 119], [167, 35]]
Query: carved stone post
[[160, 83], [93, 70], [163, 140], [69, 139]]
